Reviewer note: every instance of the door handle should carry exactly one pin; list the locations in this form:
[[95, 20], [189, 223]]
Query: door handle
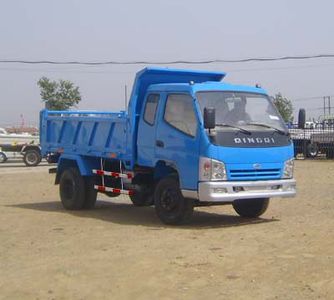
[[159, 143]]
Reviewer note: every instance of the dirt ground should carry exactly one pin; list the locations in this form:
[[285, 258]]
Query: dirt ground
[[118, 251]]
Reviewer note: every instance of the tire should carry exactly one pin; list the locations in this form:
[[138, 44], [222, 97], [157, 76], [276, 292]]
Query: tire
[[3, 157], [143, 196], [251, 208], [312, 150], [112, 195], [171, 207], [72, 189], [142, 199], [32, 158], [90, 193]]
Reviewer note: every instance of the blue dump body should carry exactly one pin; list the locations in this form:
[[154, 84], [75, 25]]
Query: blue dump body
[[165, 136], [85, 133]]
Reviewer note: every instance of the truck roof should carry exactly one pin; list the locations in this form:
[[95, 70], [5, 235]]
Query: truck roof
[[205, 86]]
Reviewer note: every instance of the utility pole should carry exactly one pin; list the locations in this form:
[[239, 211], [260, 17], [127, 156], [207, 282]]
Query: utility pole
[[329, 105], [125, 97]]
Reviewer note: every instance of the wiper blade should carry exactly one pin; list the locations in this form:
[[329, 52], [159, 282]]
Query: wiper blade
[[236, 127], [280, 131]]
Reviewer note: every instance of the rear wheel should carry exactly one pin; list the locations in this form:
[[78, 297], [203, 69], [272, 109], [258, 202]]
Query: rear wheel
[[32, 158], [72, 189], [171, 207], [144, 196], [3, 157], [251, 208], [90, 193]]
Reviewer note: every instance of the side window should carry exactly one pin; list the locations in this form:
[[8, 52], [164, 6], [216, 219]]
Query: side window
[[179, 113], [151, 108]]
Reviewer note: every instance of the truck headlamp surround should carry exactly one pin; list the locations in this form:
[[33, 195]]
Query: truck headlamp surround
[[211, 169], [288, 169]]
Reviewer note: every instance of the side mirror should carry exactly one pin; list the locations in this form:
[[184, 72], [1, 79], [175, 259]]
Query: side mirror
[[301, 118], [209, 118]]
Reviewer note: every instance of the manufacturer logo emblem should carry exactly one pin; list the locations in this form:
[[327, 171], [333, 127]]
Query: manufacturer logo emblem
[[257, 140], [257, 166]]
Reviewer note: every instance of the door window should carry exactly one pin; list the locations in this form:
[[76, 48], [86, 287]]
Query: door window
[[179, 113], [151, 108]]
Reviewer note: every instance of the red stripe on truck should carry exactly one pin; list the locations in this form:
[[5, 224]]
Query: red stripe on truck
[[101, 188]]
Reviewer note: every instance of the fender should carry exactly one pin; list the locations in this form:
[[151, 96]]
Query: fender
[[164, 168], [30, 147], [84, 164]]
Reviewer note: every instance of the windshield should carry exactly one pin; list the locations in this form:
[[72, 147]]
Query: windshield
[[247, 110]]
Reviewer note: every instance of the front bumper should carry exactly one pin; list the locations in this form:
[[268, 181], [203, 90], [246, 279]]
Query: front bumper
[[228, 191]]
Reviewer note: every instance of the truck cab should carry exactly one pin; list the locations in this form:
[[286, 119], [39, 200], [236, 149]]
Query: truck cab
[[227, 143], [243, 158]]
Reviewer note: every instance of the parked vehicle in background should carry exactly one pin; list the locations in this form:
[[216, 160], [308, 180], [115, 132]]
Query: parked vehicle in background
[[314, 138], [310, 124], [186, 140], [23, 145]]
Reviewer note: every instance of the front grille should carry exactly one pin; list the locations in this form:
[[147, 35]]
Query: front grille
[[251, 174]]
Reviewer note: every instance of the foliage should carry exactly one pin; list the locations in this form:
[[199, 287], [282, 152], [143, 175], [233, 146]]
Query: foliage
[[60, 95], [284, 106]]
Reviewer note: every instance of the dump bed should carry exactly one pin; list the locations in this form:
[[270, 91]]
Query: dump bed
[[99, 134]]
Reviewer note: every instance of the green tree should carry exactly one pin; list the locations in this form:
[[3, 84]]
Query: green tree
[[60, 95], [284, 106]]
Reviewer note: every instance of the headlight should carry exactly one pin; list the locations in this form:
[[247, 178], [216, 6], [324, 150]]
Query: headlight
[[210, 169], [288, 169]]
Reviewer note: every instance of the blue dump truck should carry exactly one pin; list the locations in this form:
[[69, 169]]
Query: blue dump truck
[[188, 139]]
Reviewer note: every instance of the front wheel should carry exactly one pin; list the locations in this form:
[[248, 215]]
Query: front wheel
[[90, 193], [170, 205], [251, 208], [32, 158], [3, 157]]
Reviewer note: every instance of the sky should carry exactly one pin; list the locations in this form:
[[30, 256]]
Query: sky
[[157, 30]]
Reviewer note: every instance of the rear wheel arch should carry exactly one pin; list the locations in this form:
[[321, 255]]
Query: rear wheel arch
[[31, 147]]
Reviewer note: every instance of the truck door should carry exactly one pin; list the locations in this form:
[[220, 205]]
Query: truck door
[[147, 130], [177, 139]]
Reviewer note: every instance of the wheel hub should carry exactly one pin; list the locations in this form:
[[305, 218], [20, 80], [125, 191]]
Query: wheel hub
[[31, 158], [168, 201]]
